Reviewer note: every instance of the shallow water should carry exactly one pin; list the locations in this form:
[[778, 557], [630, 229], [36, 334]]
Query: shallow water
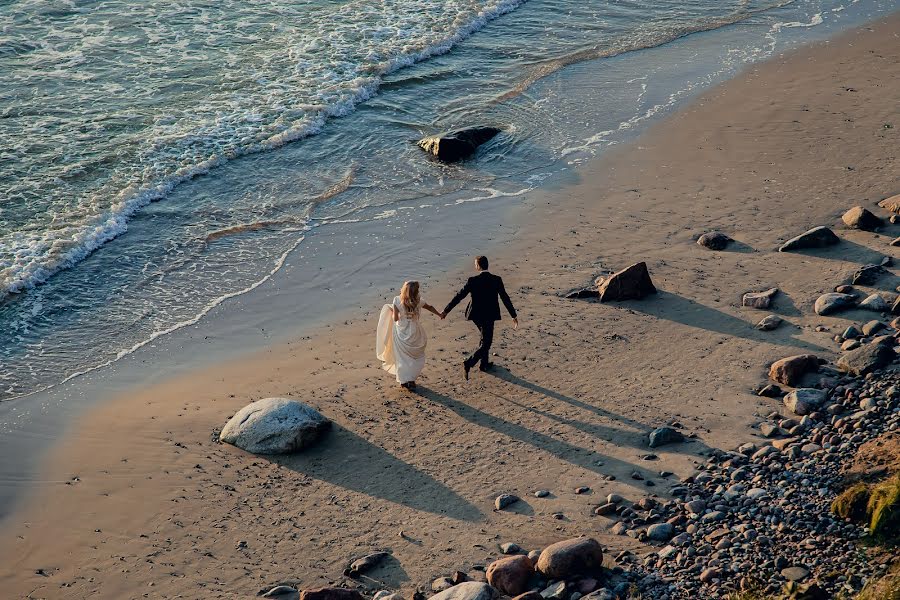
[[158, 158]]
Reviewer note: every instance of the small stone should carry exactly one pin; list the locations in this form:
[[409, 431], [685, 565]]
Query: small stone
[[582, 490], [504, 500], [541, 494], [714, 240], [660, 532], [760, 300], [510, 548], [605, 509], [795, 573], [769, 323], [861, 218], [875, 303]]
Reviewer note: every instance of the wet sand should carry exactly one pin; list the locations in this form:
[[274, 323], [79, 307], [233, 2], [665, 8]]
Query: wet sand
[[138, 500]]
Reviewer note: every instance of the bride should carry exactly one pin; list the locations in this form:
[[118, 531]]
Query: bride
[[400, 342]]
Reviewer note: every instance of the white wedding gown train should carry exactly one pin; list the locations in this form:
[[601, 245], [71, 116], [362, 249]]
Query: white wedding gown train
[[400, 345]]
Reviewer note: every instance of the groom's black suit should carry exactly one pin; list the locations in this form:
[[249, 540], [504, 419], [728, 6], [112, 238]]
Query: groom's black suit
[[483, 310]]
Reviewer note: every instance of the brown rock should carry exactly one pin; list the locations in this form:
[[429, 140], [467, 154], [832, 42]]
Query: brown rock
[[759, 299], [861, 218], [330, 594], [892, 204], [569, 558], [511, 575], [605, 509], [714, 240], [631, 283], [789, 370]]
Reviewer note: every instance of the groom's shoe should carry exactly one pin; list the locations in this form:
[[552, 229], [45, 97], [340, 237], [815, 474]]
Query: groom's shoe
[[487, 367], [466, 369]]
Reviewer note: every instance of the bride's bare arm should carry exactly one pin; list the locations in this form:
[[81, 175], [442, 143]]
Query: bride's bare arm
[[431, 309], [396, 313]]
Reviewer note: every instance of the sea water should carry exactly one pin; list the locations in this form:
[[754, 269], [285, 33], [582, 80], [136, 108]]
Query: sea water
[[160, 157]]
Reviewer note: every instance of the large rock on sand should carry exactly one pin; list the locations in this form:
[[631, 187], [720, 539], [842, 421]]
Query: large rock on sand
[[467, 590], [664, 435], [804, 401], [274, 426], [511, 575], [861, 218], [631, 283], [833, 302], [759, 300], [457, 145], [866, 359], [569, 558], [789, 370], [330, 594], [892, 204], [817, 237]]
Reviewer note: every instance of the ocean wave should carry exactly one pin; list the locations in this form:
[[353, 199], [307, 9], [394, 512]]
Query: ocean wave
[[343, 61]]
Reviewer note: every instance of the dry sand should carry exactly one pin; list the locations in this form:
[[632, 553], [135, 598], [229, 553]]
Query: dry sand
[[139, 501]]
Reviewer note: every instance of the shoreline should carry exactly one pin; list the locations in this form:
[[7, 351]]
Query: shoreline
[[549, 421]]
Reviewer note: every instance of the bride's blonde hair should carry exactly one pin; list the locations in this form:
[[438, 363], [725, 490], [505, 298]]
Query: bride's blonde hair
[[409, 297]]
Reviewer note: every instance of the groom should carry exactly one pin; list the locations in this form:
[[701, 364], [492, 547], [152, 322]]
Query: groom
[[483, 310]]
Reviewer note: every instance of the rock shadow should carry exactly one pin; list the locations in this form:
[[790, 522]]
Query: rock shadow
[[388, 574], [581, 457], [845, 251], [345, 459], [675, 308]]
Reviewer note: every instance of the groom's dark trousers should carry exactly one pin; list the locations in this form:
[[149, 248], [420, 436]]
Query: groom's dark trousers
[[486, 291]]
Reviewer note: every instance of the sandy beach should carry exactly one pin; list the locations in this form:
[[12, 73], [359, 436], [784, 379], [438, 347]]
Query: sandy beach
[[139, 500]]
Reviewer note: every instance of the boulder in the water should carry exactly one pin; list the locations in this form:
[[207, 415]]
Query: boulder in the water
[[817, 237], [631, 283], [457, 145], [274, 426], [861, 218]]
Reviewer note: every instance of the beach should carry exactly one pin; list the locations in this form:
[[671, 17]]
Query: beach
[[137, 499]]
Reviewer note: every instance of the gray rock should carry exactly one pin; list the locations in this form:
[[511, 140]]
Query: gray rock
[[274, 426], [614, 498], [664, 435], [510, 548], [873, 327], [541, 494], [555, 591], [795, 573], [875, 303], [803, 401], [468, 590], [282, 592], [714, 240], [660, 532], [850, 345], [769, 323], [851, 333], [817, 237], [868, 274], [759, 300], [866, 359], [833, 302], [504, 500]]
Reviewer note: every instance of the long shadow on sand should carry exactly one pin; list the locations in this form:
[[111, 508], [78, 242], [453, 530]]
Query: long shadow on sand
[[582, 457], [847, 251], [675, 308], [345, 459]]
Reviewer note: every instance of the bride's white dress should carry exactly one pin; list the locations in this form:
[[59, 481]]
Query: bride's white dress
[[400, 346]]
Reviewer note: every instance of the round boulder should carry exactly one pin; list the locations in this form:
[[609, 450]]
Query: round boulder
[[511, 575], [274, 426], [714, 240], [861, 218], [569, 558]]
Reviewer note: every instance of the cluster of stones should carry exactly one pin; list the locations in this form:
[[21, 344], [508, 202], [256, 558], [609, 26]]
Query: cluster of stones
[[759, 517]]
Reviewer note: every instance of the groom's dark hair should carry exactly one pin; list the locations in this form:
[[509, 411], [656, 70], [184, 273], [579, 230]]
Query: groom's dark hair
[[482, 262]]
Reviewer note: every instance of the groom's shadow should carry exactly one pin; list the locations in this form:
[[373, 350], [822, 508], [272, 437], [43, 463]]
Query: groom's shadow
[[582, 457]]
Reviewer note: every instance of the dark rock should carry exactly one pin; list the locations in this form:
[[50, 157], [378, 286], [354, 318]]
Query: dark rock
[[868, 274], [605, 509], [281, 592], [631, 283], [511, 575], [866, 359], [330, 594], [861, 218], [817, 237], [457, 145], [664, 435], [770, 391], [582, 294], [714, 240], [570, 558], [873, 327], [789, 370], [895, 308]]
